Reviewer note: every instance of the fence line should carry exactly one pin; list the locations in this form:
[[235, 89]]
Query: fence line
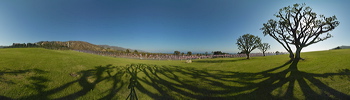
[[170, 56]]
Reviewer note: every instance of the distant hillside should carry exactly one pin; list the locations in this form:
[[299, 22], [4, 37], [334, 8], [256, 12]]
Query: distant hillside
[[75, 45], [341, 47], [112, 47], [59, 45], [71, 45], [118, 48]]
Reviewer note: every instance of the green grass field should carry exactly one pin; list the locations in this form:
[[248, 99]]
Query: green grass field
[[40, 74]]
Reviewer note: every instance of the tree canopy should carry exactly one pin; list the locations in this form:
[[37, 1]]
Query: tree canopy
[[176, 52], [248, 43], [189, 53], [127, 51], [264, 47]]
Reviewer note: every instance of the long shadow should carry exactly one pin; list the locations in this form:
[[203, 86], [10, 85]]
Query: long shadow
[[133, 70], [87, 79], [17, 72], [11, 72], [177, 82], [218, 61], [326, 91], [5, 98]]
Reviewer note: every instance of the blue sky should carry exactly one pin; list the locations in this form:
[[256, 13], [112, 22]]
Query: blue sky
[[157, 25]]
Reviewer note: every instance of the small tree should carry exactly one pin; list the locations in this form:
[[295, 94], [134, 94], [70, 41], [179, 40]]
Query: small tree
[[217, 52], [177, 53], [127, 51], [248, 43], [264, 47], [299, 26], [135, 51], [277, 52], [189, 53]]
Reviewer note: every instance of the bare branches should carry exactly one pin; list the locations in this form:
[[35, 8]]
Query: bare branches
[[298, 25]]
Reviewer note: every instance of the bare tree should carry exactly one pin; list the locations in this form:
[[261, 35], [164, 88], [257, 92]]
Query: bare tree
[[299, 26], [248, 43], [264, 47]]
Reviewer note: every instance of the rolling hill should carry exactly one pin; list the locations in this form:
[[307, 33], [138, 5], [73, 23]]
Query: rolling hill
[[118, 48], [341, 47], [70, 45], [74, 45]]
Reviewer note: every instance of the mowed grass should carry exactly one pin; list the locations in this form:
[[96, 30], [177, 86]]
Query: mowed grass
[[36, 73]]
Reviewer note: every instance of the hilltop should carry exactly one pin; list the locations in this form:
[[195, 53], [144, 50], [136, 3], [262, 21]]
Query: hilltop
[[74, 45], [118, 48], [71, 45]]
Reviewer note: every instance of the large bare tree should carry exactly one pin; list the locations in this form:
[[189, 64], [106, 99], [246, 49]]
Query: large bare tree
[[298, 25], [247, 43]]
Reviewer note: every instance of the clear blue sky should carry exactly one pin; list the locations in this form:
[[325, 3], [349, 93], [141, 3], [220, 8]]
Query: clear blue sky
[[157, 25]]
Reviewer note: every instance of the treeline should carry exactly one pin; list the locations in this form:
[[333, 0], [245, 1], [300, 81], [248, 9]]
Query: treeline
[[189, 53], [42, 44], [72, 45], [58, 45]]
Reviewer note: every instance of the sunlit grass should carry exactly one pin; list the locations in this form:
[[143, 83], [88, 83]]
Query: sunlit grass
[[36, 73]]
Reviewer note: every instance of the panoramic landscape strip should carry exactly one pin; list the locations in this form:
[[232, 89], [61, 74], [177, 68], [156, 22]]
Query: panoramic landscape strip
[[185, 50]]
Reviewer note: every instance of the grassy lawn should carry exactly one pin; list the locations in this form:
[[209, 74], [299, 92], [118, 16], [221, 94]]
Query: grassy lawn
[[36, 73]]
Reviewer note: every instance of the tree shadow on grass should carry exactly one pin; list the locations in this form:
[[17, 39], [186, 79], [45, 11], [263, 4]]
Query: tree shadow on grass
[[7, 76], [133, 70], [5, 98], [10, 72], [87, 79], [177, 82], [311, 87], [218, 61]]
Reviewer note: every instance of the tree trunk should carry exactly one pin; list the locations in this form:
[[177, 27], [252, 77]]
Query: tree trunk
[[263, 53], [293, 66], [297, 53], [291, 55], [248, 57]]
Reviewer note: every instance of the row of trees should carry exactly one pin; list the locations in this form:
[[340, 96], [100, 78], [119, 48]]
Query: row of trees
[[189, 53], [295, 25], [178, 53], [128, 51], [47, 45]]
